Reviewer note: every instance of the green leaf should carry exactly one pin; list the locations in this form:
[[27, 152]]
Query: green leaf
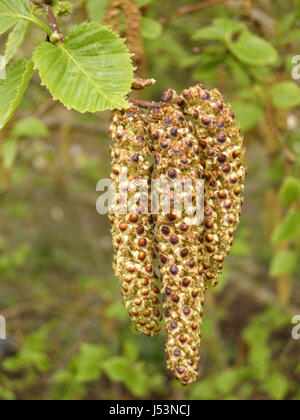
[[238, 72], [91, 71], [9, 153], [117, 369], [96, 9], [284, 262], [151, 29], [131, 351], [290, 191], [226, 381], [137, 382], [276, 385], [248, 115], [11, 11], [88, 367], [208, 33], [229, 27], [288, 229], [285, 95], [15, 39], [253, 50], [30, 127], [13, 87]]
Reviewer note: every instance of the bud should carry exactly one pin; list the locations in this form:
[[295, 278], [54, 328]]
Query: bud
[[55, 37], [65, 8]]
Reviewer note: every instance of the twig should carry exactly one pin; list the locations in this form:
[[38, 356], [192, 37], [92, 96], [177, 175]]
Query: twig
[[190, 9], [50, 15], [145, 104]]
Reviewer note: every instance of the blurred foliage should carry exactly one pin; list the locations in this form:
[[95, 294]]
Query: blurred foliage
[[58, 293]]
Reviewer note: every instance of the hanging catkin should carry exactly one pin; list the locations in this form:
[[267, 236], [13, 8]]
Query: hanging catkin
[[222, 156], [193, 136], [177, 159], [113, 14], [133, 233], [133, 21], [219, 154]]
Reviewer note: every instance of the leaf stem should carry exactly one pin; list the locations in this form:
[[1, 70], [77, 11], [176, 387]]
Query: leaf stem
[[39, 23]]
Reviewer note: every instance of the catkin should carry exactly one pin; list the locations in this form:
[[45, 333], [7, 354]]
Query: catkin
[[193, 136], [177, 159], [222, 155], [133, 233], [133, 21], [113, 14]]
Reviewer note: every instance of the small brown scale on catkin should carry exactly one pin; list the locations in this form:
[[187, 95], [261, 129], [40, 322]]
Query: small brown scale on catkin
[[133, 234], [177, 159], [222, 155]]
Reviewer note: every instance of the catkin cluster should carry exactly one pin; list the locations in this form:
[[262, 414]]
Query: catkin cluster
[[221, 156], [191, 136]]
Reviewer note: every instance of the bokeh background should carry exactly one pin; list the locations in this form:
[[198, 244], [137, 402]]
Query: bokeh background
[[69, 335]]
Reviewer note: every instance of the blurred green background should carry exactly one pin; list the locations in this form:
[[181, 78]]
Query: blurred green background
[[70, 335]]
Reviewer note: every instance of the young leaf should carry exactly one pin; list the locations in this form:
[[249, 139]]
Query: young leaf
[[284, 262], [285, 95], [277, 386], [253, 50], [288, 229], [229, 27], [15, 39], [151, 28], [290, 191], [11, 11], [13, 87], [208, 33], [91, 71]]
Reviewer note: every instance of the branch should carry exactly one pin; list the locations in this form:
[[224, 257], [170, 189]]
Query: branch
[[190, 9], [144, 104], [50, 15]]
